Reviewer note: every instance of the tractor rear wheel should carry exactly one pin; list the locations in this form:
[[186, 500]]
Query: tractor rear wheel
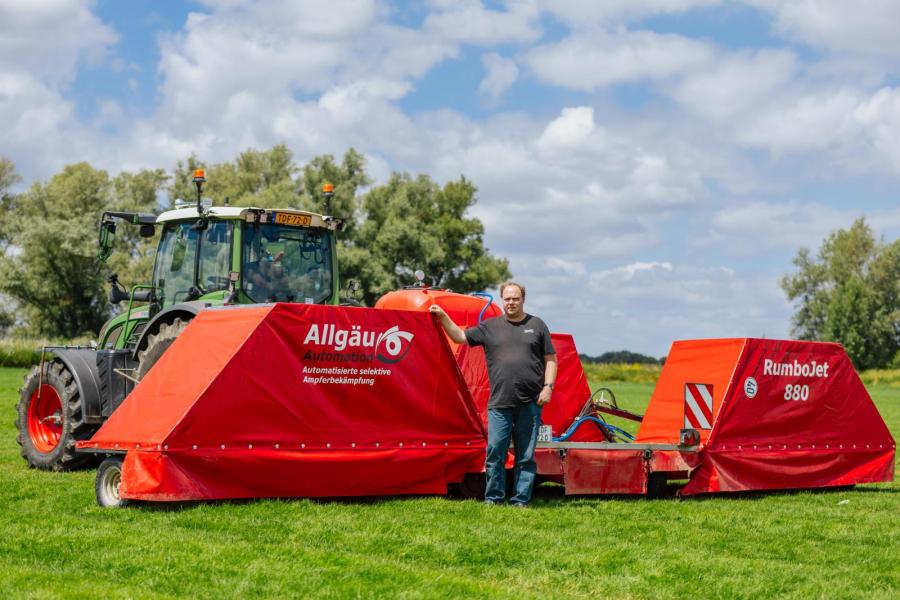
[[49, 419], [157, 344], [106, 486]]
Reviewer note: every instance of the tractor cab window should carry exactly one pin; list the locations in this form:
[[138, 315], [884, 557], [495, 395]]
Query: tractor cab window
[[286, 264], [191, 261]]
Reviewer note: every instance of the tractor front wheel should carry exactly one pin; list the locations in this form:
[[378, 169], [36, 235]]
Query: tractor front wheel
[[157, 344], [106, 487], [49, 419]]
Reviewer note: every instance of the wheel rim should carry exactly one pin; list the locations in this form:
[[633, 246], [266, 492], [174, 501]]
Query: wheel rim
[[45, 419], [111, 485]]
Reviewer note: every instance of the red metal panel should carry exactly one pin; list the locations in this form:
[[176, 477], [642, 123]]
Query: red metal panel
[[796, 416], [689, 361], [373, 397], [605, 472], [269, 473], [743, 470]]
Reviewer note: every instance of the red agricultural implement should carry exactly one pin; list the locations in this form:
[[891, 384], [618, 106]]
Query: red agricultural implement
[[295, 400]]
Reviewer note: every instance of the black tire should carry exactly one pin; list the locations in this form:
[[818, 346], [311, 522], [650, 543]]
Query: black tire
[[48, 443], [106, 486], [157, 344]]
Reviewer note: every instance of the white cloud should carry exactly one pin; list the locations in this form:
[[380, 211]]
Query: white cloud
[[865, 26], [578, 13], [853, 130], [569, 130], [590, 60], [468, 21], [735, 83], [791, 225], [501, 74], [47, 40]]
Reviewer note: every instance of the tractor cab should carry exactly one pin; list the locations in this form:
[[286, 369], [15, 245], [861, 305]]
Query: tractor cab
[[209, 255], [245, 255]]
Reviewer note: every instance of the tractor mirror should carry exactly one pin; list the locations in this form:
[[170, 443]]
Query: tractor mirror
[[147, 230], [107, 237]]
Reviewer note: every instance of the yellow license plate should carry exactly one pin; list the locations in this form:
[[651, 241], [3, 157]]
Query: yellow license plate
[[289, 219]]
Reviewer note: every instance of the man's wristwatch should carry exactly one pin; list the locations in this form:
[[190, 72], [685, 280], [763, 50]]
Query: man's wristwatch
[[549, 385]]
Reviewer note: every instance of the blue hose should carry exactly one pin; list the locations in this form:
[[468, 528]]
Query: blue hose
[[490, 299], [603, 424]]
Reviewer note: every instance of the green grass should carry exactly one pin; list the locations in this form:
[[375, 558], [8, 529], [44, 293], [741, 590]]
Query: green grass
[[55, 542]]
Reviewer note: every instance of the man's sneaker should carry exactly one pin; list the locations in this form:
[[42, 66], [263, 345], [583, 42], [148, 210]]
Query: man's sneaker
[[518, 505]]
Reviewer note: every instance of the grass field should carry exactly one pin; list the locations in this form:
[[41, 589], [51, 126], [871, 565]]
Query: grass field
[[55, 542]]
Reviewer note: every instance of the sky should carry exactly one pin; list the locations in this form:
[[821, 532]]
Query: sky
[[649, 168]]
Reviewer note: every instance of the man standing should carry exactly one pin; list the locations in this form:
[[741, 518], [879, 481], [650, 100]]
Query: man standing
[[521, 366]]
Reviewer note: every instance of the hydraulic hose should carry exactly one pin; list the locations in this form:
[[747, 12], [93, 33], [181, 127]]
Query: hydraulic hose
[[490, 299], [602, 424]]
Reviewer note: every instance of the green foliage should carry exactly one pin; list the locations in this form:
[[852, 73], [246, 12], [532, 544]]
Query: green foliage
[[881, 377], [413, 223], [631, 373], [850, 294], [56, 543], [621, 356], [54, 276]]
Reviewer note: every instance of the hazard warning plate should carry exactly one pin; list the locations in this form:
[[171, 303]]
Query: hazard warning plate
[[698, 405]]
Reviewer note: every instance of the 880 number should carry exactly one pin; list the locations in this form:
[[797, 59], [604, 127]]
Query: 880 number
[[796, 392]]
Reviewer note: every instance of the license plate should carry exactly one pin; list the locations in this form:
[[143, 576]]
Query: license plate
[[545, 433], [289, 219]]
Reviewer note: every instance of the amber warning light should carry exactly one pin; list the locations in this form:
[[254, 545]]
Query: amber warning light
[[199, 175], [327, 188]]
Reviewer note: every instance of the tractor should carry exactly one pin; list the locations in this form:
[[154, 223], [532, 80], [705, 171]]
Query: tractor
[[207, 256]]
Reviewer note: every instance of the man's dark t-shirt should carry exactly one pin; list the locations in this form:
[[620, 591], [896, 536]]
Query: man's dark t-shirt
[[515, 358]]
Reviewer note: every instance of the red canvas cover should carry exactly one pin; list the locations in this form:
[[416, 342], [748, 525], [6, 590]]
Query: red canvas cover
[[298, 400], [795, 415], [710, 362]]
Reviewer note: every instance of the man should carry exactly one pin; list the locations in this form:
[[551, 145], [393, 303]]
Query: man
[[521, 365]]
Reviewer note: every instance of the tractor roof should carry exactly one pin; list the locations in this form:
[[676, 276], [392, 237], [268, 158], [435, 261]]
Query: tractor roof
[[240, 212]]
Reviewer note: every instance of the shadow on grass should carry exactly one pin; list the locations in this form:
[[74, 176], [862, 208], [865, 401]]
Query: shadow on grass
[[547, 495]]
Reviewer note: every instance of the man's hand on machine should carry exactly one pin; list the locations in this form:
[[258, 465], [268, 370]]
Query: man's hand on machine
[[545, 395]]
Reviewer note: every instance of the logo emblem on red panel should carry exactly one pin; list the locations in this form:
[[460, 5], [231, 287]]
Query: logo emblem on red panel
[[698, 405], [393, 344]]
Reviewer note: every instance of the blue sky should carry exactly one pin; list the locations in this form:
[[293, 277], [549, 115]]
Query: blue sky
[[649, 168]]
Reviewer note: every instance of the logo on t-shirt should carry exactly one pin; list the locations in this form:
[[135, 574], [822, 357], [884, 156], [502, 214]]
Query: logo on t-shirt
[[528, 331]]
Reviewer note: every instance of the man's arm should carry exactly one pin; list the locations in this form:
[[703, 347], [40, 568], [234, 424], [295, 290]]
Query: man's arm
[[550, 368], [456, 334]]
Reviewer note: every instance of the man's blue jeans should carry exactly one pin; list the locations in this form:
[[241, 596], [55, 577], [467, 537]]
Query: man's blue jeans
[[521, 424]]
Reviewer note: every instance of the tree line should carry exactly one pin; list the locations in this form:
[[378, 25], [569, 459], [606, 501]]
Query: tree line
[[53, 285]]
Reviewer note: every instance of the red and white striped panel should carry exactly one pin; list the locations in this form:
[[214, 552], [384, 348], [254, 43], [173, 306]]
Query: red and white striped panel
[[698, 405]]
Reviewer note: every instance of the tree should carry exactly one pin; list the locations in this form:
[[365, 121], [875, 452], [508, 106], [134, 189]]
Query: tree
[[8, 178], [54, 276], [413, 223], [850, 293]]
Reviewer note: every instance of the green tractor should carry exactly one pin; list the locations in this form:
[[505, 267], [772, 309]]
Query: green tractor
[[207, 256]]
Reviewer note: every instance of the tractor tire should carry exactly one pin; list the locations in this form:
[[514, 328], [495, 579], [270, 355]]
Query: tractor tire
[[106, 486], [49, 419], [157, 344]]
